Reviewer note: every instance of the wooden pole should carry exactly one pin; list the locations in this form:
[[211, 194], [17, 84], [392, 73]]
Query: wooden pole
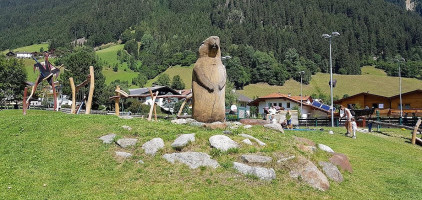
[[72, 86], [415, 131], [116, 101], [24, 106], [91, 90], [183, 105], [54, 94], [155, 111], [153, 103]]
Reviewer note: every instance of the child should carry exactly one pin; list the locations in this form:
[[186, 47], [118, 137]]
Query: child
[[354, 128]]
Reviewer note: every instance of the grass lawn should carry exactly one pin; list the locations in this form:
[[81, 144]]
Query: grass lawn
[[184, 72], [30, 48], [375, 83], [122, 75], [51, 155], [109, 56]]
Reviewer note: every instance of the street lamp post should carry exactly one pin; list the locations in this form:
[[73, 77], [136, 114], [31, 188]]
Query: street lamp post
[[401, 103], [301, 97], [330, 37]]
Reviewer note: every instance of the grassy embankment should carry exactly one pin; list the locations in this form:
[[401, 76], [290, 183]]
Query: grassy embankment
[[373, 80], [109, 56], [51, 155], [185, 73]]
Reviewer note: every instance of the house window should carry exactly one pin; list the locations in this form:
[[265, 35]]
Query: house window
[[406, 106], [381, 106], [275, 104], [280, 105], [269, 104], [288, 105]]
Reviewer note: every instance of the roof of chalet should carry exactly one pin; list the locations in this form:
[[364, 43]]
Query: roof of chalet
[[243, 98], [406, 93], [288, 97], [139, 91], [369, 94], [359, 94]]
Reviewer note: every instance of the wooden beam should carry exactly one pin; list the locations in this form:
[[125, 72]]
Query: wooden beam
[[122, 93], [415, 131], [152, 105], [24, 106], [183, 105], [148, 95], [393, 125], [91, 90], [116, 102], [72, 86], [88, 79]]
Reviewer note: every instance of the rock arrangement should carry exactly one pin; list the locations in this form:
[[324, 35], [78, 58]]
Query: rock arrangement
[[183, 140], [127, 142], [151, 147], [253, 165], [260, 172], [222, 142], [192, 159]]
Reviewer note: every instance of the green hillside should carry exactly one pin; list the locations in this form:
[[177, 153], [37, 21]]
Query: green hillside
[[52, 155], [374, 80], [108, 56], [30, 48], [185, 74]]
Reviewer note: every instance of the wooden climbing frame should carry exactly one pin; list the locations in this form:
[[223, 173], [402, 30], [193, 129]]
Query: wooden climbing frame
[[90, 79]]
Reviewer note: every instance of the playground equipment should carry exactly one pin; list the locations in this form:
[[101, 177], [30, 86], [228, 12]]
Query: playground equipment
[[90, 79], [415, 129], [47, 72], [122, 94]]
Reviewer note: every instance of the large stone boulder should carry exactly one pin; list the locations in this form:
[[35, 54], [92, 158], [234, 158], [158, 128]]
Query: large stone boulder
[[192, 159], [253, 138], [253, 121], [209, 83], [127, 142], [310, 174], [108, 139], [183, 140], [256, 159], [260, 172], [215, 125], [222, 142], [276, 127], [341, 160], [151, 147], [331, 171], [325, 148]]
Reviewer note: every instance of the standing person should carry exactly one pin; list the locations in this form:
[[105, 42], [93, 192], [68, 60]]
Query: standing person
[[354, 128], [289, 119], [345, 112], [271, 113]]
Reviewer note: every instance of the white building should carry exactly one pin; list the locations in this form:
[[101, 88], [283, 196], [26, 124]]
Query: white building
[[162, 90], [23, 55], [288, 102]]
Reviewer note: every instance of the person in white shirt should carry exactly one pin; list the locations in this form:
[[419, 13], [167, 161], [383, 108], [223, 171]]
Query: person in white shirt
[[345, 112]]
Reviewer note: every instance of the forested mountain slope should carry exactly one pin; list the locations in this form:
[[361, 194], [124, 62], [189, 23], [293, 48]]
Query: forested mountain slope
[[272, 39]]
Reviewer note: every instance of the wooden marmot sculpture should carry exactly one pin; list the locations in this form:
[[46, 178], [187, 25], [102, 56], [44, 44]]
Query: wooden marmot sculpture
[[209, 83]]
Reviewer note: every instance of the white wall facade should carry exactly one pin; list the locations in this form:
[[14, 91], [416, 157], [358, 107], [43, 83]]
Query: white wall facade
[[277, 102], [23, 55]]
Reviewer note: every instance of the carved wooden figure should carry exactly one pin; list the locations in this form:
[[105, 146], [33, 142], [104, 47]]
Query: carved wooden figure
[[209, 83]]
